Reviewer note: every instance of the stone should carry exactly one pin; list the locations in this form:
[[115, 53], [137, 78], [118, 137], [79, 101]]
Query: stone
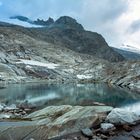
[[136, 134], [121, 116], [106, 127], [87, 132]]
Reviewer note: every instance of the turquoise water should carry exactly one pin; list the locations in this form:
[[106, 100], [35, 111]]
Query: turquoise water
[[71, 94]]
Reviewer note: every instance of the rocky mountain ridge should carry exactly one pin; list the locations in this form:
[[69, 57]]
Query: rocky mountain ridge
[[66, 32], [61, 53], [61, 22]]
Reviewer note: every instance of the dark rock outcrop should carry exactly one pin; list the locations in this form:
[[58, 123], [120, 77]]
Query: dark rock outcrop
[[48, 22], [83, 42]]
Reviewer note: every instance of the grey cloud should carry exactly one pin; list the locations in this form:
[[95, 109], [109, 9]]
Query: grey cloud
[[134, 27], [105, 10]]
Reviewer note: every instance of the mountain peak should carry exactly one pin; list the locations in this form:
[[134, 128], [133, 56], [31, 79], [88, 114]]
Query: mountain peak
[[43, 22], [68, 22]]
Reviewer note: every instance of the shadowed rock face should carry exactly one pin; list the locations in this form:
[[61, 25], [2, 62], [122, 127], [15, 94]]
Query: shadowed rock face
[[81, 41]]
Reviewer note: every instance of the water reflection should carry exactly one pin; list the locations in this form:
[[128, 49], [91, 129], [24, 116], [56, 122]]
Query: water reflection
[[73, 94]]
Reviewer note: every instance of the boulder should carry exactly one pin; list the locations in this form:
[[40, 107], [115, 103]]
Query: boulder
[[87, 132], [106, 127], [68, 119], [51, 112], [121, 116], [55, 121]]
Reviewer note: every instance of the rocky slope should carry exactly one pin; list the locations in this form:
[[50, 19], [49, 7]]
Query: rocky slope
[[61, 52]]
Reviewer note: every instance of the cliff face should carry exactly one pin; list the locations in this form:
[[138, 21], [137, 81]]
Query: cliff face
[[81, 41]]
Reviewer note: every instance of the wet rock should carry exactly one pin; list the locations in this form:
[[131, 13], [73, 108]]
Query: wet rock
[[122, 116], [106, 127], [87, 132]]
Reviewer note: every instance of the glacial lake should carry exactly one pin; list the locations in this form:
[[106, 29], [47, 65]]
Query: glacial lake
[[41, 94]]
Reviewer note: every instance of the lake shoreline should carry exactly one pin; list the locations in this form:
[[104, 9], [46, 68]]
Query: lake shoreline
[[19, 115]]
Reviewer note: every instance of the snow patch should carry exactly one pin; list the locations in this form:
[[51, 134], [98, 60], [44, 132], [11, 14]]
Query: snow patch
[[84, 76], [37, 63]]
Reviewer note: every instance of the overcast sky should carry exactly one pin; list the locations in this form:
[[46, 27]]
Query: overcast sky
[[117, 20]]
